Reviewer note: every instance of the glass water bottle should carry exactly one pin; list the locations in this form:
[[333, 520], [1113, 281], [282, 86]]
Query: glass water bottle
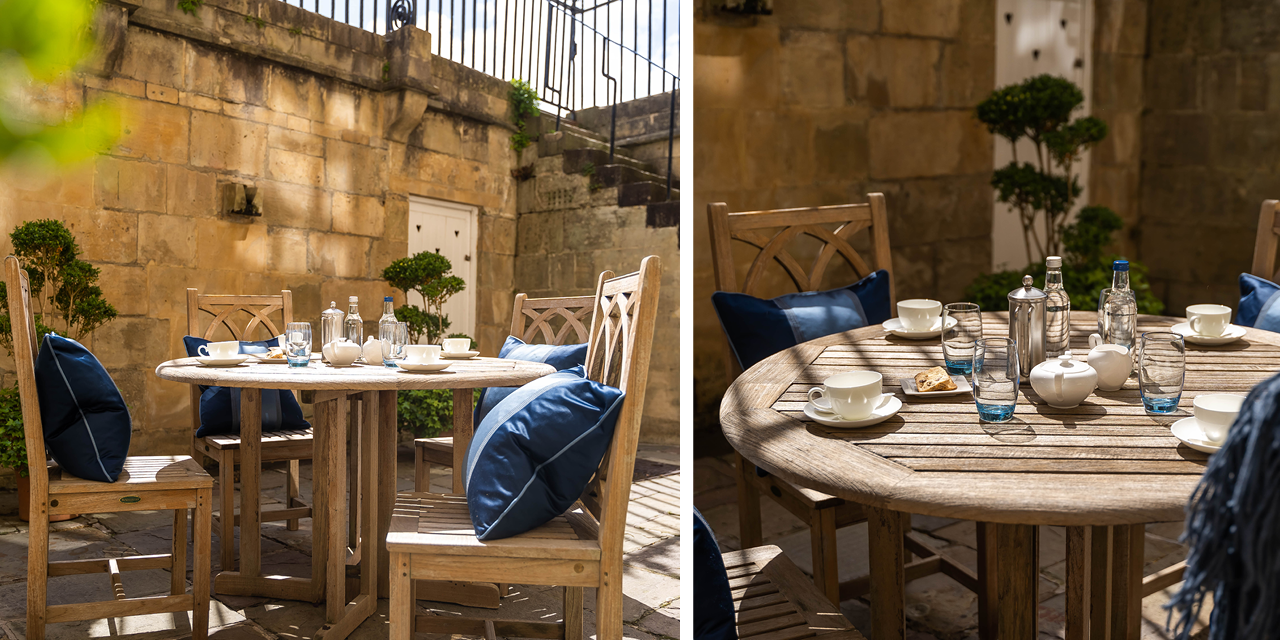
[[354, 326], [1118, 308], [386, 327], [1057, 321]]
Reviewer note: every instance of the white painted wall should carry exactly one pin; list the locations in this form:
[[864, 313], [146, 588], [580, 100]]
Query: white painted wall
[[449, 229], [1037, 25]]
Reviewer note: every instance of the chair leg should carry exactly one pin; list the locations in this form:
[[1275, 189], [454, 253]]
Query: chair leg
[[749, 527], [400, 609], [822, 537], [178, 568], [227, 512], [609, 602], [202, 539], [573, 613], [421, 471], [292, 489], [37, 568]]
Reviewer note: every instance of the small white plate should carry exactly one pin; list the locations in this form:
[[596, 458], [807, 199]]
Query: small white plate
[[461, 355], [1189, 432], [314, 356], [209, 361], [962, 386], [894, 326], [1233, 333], [831, 420], [423, 367]]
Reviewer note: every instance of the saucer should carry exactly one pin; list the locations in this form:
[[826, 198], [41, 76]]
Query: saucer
[[423, 367], [962, 386], [1189, 432], [831, 420], [461, 355], [895, 326], [210, 361], [1233, 333]]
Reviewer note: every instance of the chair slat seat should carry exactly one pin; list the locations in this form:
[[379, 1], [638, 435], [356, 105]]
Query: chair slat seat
[[275, 438], [141, 473], [774, 600], [442, 523]]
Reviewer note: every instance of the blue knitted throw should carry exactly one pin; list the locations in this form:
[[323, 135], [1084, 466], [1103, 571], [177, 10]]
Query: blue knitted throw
[[1233, 528]]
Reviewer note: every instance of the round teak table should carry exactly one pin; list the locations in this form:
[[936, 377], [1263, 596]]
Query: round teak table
[[330, 388], [1102, 469]]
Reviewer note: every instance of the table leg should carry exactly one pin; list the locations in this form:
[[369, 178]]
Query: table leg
[[325, 430], [1078, 578], [336, 545], [1008, 594], [250, 482], [888, 580], [1099, 583], [1126, 581], [462, 430], [386, 448], [988, 599]]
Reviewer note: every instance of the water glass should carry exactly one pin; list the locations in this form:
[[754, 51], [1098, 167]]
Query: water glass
[[995, 378], [395, 334], [297, 344], [959, 338], [1162, 368]]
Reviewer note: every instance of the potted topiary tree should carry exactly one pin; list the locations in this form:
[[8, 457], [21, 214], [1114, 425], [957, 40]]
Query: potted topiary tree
[[66, 300]]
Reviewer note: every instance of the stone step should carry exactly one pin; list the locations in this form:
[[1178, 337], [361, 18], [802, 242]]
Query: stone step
[[638, 193], [663, 214], [575, 160]]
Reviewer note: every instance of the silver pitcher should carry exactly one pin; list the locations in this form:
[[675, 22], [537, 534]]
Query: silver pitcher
[[1027, 307]]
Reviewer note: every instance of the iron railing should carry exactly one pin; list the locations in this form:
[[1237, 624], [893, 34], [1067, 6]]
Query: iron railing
[[576, 54]]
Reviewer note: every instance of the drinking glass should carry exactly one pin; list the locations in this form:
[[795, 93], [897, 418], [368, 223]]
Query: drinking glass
[[297, 345], [1162, 367], [958, 339], [395, 334], [995, 378]]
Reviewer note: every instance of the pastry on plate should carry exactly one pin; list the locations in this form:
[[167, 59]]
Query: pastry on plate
[[935, 379]]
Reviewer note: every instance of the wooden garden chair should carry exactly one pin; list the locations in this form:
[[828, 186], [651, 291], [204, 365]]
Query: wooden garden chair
[[292, 446], [774, 600], [573, 315], [1264, 248], [431, 536], [147, 483]]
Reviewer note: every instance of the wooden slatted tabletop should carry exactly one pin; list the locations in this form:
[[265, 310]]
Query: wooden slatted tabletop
[[1104, 462]]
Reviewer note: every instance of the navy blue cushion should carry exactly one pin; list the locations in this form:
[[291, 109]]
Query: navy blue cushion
[[713, 617], [220, 406], [534, 453], [559, 356], [1258, 308], [759, 328], [86, 423]]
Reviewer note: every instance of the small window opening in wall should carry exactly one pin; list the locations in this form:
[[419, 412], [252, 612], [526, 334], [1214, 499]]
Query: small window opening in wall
[[1008, 18]]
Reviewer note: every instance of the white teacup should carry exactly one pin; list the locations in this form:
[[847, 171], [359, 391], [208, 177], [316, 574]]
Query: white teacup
[[456, 345], [853, 395], [219, 349], [1209, 320], [1215, 412], [919, 314], [422, 353]]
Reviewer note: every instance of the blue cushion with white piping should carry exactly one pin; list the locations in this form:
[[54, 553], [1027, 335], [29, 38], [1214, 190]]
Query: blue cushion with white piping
[[220, 406], [86, 423], [1258, 303], [559, 356], [713, 614], [759, 328], [533, 455]]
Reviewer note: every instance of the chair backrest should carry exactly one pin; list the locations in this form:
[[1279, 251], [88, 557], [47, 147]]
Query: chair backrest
[[626, 309], [750, 227], [224, 309], [572, 314], [1264, 247], [24, 355]]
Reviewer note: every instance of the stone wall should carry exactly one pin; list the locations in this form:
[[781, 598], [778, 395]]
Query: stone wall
[[825, 101], [334, 126]]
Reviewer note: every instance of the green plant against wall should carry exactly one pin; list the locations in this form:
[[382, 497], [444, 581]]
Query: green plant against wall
[[1039, 109], [13, 444], [524, 104], [430, 275]]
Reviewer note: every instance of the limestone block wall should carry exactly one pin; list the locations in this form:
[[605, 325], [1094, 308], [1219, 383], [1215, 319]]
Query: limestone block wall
[[334, 126], [827, 100]]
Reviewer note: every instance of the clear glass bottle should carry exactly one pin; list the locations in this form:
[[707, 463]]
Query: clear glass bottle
[[1118, 310], [354, 326], [386, 326], [1057, 320], [331, 327]]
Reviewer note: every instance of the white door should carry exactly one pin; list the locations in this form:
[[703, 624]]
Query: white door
[[449, 229]]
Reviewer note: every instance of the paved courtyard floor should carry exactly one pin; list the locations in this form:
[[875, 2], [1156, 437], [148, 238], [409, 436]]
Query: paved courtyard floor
[[651, 582], [937, 607]]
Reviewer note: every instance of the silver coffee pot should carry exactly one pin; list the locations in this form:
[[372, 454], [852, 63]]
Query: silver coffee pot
[[1027, 308]]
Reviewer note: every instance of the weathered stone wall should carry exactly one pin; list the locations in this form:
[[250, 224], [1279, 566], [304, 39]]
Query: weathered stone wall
[[825, 101], [333, 127], [1210, 144]]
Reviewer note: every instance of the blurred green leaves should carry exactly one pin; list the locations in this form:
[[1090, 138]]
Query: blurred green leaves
[[41, 41]]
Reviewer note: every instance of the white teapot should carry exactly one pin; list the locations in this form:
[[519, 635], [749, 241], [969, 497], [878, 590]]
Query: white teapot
[[1063, 382], [341, 352], [1112, 362]]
